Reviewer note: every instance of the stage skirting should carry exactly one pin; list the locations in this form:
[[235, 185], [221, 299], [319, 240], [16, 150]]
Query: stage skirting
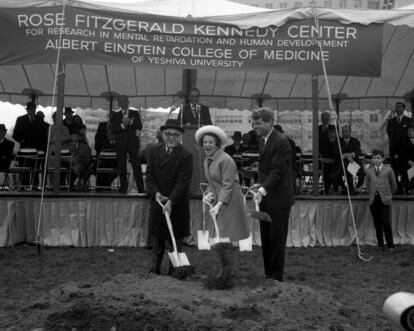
[[91, 220]]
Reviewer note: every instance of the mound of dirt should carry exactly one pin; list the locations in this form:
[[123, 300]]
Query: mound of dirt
[[127, 302]]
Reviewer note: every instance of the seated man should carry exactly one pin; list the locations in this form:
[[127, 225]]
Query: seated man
[[351, 149], [6, 149], [406, 158], [81, 161], [332, 169]]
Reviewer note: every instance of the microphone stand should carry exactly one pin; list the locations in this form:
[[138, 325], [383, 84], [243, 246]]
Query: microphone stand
[[198, 115]]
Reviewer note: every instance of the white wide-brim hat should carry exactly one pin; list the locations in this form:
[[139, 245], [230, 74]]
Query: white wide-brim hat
[[211, 129]]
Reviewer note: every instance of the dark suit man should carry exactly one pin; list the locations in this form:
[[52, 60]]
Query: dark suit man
[[125, 124], [168, 176], [30, 132], [194, 113], [406, 157], [6, 149], [351, 149], [104, 140], [323, 130], [275, 192], [332, 167], [396, 131]]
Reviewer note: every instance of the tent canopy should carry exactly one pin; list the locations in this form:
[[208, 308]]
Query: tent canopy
[[86, 84]]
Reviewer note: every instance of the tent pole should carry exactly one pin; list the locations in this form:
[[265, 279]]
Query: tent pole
[[315, 136], [59, 124]]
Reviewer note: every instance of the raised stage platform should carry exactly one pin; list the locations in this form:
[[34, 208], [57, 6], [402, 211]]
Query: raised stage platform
[[104, 219]]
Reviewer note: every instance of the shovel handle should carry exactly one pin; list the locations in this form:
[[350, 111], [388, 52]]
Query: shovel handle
[[213, 217], [169, 225]]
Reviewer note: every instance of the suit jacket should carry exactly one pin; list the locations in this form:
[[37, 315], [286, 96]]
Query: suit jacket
[[275, 172], [323, 139], [171, 176], [6, 153], [385, 183], [405, 154], [189, 118], [223, 181], [116, 122], [353, 146], [29, 134], [103, 138], [396, 132]]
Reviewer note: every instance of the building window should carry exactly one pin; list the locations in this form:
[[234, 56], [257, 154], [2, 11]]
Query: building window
[[298, 4], [327, 3], [373, 4], [342, 3], [269, 5], [283, 5], [357, 3]]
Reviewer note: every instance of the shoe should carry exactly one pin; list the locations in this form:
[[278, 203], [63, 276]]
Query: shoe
[[156, 271]]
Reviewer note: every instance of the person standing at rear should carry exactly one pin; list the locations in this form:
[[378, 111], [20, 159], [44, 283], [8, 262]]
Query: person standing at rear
[[125, 124], [275, 191]]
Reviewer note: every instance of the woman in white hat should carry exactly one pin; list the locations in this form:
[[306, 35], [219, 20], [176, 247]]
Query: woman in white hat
[[225, 193]]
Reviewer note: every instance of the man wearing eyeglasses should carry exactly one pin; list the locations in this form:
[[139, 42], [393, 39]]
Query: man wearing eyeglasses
[[194, 113], [168, 177]]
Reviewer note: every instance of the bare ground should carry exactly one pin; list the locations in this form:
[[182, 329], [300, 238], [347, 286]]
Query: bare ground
[[104, 289]]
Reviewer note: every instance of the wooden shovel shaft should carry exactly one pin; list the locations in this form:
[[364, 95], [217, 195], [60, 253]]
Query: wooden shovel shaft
[[214, 219]]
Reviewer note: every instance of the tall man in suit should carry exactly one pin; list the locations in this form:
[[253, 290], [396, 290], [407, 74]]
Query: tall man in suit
[[125, 125], [406, 157], [194, 113], [323, 130], [275, 191], [351, 149], [6, 149], [30, 133], [169, 171], [396, 131]]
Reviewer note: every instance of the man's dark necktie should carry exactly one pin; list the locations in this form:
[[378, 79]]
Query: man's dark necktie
[[167, 152], [261, 145], [377, 171]]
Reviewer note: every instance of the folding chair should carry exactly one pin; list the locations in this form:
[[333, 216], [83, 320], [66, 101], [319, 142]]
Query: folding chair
[[306, 174], [106, 171], [65, 170], [22, 170]]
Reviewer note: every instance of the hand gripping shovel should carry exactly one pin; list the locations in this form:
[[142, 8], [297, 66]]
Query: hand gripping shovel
[[245, 244], [177, 259], [202, 235], [257, 214], [216, 239]]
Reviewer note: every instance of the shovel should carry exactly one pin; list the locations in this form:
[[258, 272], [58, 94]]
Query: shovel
[[177, 259], [257, 214], [214, 240], [245, 244], [202, 235]]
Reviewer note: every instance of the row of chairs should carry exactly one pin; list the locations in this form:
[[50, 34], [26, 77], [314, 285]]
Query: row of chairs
[[27, 169]]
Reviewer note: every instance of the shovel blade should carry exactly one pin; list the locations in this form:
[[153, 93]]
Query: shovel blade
[[202, 240], [175, 260], [246, 245]]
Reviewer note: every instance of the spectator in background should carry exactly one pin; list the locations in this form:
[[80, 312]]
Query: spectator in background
[[30, 134], [295, 163], [351, 149], [332, 168], [68, 121], [236, 147], [81, 161], [40, 116], [245, 143], [253, 141], [125, 125], [78, 126], [397, 131], [406, 157], [193, 112], [6, 149], [323, 130]]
